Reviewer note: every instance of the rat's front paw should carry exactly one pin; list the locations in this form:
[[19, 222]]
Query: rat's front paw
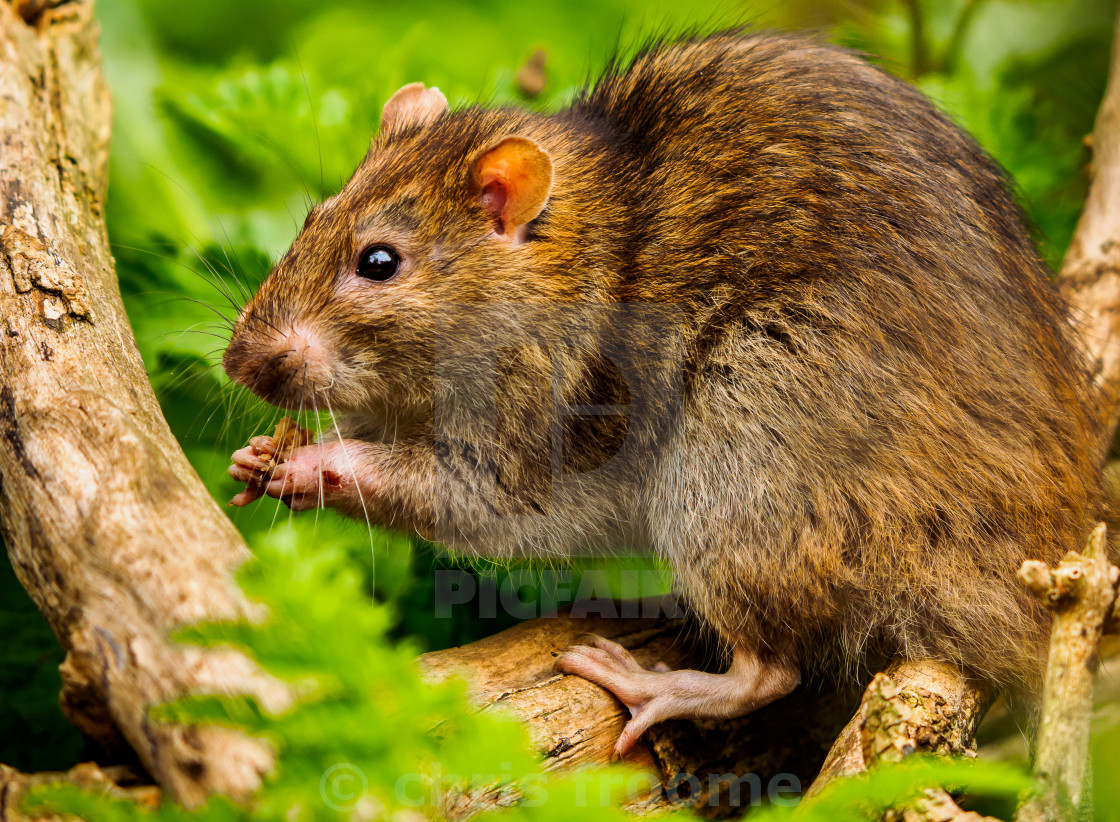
[[256, 464], [309, 478], [252, 465]]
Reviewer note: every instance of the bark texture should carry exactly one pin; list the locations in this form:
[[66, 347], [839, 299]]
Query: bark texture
[[120, 782], [926, 707], [105, 522], [1081, 592], [576, 723], [1090, 276]]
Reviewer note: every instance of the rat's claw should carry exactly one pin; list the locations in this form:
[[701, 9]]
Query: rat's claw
[[253, 492], [249, 457], [616, 651], [263, 445], [608, 664], [249, 468]]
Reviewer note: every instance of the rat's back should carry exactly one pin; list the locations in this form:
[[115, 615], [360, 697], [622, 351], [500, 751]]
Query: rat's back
[[886, 409]]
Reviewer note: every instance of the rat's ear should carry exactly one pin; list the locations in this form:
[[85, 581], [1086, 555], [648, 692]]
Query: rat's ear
[[513, 178], [413, 105]]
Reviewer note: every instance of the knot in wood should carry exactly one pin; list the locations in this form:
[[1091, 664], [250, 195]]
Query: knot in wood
[[1077, 577], [1058, 587], [35, 265]]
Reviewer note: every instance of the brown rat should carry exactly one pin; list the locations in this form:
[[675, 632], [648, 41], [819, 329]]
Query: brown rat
[[750, 304]]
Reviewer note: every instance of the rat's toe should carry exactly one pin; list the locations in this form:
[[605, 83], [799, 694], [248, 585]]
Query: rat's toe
[[618, 653], [655, 695], [249, 457], [250, 494], [264, 445], [597, 665], [642, 719], [243, 474]]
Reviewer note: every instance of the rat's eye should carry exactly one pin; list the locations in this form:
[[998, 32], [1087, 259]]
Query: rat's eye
[[378, 262]]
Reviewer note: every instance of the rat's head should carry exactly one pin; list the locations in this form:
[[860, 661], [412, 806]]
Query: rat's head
[[439, 215]]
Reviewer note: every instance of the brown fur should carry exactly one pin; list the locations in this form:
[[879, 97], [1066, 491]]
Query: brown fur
[[859, 406]]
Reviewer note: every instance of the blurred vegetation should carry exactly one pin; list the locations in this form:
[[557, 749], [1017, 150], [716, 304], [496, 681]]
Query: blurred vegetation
[[232, 118], [368, 739]]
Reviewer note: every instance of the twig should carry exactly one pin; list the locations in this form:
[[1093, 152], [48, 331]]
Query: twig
[[919, 52], [1081, 592], [956, 39]]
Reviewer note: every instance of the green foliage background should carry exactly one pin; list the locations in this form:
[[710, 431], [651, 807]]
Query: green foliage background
[[233, 117]]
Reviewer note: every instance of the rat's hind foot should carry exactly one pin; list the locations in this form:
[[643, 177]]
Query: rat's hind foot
[[653, 696]]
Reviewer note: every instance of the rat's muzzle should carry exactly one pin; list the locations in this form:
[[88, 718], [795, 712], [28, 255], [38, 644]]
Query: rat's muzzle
[[287, 369]]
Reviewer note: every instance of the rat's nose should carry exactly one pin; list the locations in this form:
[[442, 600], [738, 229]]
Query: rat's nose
[[283, 369], [270, 376]]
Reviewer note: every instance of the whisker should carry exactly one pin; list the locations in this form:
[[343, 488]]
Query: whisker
[[214, 280], [298, 416], [190, 195], [319, 440], [314, 122], [241, 287], [361, 499], [256, 316]]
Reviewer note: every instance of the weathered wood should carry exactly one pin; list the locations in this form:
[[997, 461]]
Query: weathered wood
[[118, 781], [106, 525], [1081, 592], [576, 723], [1090, 276], [928, 707]]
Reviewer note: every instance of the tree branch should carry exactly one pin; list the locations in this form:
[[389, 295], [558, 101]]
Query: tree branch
[[106, 525], [913, 707], [919, 51], [1090, 276], [118, 781], [574, 723], [1081, 592]]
